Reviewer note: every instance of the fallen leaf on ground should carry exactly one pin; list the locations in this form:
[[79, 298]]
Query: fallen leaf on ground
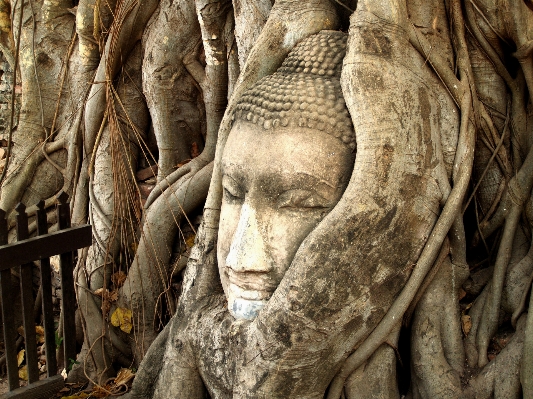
[[106, 295], [39, 330], [101, 391], [466, 322], [23, 373], [20, 357], [190, 241], [113, 296], [124, 376], [121, 317]]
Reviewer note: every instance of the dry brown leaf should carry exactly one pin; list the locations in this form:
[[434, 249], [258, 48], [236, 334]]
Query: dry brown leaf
[[106, 295], [466, 322], [190, 241], [23, 373], [20, 330], [121, 317], [101, 391], [20, 357], [124, 376], [113, 296], [118, 278], [39, 330]]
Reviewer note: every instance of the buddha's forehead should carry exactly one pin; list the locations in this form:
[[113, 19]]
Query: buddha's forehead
[[252, 152]]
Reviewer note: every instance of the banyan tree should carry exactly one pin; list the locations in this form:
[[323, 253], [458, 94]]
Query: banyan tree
[[289, 199]]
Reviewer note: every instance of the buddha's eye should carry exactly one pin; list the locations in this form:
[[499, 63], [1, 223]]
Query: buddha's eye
[[302, 199], [232, 191]]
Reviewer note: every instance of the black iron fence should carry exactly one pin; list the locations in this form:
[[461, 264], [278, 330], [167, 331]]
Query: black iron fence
[[21, 254]]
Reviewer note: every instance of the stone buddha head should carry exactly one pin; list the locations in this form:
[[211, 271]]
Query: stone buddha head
[[286, 163]]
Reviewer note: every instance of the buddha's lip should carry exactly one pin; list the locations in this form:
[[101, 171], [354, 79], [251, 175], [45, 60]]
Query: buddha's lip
[[256, 283]]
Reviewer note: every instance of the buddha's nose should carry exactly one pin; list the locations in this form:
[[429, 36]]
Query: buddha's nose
[[247, 251]]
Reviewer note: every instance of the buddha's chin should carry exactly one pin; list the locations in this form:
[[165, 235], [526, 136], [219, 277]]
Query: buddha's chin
[[245, 304], [244, 309]]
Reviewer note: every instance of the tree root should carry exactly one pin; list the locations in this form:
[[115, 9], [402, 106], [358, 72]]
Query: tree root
[[172, 95], [425, 261], [436, 341], [526, 369], [518, 191], [94, 361], [185, 172], [376, 378], [148, 276], [499, 379], [12, 107]]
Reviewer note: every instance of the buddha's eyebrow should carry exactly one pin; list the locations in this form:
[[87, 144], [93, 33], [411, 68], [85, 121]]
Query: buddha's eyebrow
[[316, 180]]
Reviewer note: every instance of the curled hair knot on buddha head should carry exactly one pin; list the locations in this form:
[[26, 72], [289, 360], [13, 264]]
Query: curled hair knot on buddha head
[[304, 92]]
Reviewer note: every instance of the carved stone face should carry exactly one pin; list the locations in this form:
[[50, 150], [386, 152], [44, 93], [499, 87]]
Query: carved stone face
[[278, 185]]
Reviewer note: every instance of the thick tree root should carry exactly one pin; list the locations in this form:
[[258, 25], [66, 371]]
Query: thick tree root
[[500, 379], [171, 93], [436, 341], [518, 191], [376, 378], [526, 369], [148, 276]]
